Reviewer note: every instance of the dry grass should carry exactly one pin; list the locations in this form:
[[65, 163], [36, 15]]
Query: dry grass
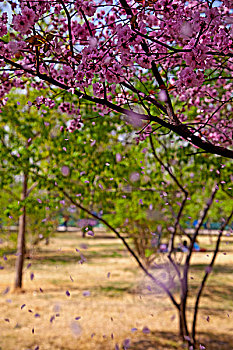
[[116, 304]]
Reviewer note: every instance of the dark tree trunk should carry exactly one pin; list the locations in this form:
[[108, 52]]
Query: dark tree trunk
[[183, 328], [21, 238], [183, 324]]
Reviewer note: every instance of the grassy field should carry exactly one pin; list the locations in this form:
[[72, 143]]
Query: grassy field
[[105, 300]]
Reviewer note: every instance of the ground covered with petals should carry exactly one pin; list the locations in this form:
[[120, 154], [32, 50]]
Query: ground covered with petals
[[105, 300]]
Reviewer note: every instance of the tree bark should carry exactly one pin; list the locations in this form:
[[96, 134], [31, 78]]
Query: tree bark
[[181, 325], [21, 238]]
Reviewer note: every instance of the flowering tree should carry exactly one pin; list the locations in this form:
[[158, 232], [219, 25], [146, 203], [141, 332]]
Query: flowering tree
[[158, 62], [167, 62]]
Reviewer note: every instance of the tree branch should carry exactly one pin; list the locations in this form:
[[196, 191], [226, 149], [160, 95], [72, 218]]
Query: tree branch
[[142, 267], [180, 129], [184, 285], [177, 221], [32, 188], [69, 27], [208, 271]]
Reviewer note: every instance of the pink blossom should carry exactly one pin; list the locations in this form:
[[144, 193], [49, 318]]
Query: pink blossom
[[75, 124], [3, 22], [188, 78], [65, 170], [66, 72], [102, 52], [29, 14], [163, 96], [118, 157], [186, 30], [22, 23]]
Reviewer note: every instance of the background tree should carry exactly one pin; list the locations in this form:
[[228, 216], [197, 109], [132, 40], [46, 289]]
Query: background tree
[[23, 146]]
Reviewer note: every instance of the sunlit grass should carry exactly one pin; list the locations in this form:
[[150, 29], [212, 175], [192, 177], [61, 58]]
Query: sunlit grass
[[108, 292]]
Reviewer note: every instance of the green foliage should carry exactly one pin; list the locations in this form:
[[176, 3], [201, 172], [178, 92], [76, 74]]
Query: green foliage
[[23, 150], [103, 169]]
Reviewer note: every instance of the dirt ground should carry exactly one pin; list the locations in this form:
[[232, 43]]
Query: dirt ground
[[96, 297]]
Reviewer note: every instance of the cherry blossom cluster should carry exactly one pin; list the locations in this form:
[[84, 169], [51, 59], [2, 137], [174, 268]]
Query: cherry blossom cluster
[[75, 124], [3, 22], [23, 22], [173, 58], [69, 108], [144, 134], [41, 100]]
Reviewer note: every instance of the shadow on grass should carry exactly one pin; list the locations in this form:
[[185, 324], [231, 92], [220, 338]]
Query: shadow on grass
[[78, 235], [216, 293], [113, 291], [74, 257], [7, 251], [214, 288], [226, 269], [171, 341]]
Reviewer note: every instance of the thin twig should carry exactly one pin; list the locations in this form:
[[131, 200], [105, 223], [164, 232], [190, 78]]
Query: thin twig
[[208, 271], [69, 27], [184, 285], [167, 168]]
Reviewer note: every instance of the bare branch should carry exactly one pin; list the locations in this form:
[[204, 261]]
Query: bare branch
[[177, 221], [208, 271], [32, 188], [86, 21], [142, 267], [200, 223], [184, 285]]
